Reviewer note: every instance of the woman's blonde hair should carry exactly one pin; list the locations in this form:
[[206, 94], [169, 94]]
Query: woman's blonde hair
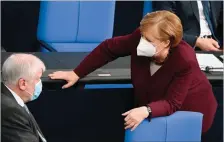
[[167, 24]]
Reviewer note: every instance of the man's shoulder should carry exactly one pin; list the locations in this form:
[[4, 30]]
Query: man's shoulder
[[10, 108], [7, 101], [16, 124]]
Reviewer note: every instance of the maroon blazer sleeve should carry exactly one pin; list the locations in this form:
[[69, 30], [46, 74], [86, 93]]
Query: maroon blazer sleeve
[[176, 92], [107, 51]]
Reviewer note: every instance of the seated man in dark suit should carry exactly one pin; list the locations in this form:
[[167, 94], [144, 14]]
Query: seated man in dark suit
[[21, 83], [201, 20]]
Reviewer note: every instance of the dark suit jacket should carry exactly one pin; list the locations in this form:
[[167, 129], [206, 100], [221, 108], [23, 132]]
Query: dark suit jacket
[[17, 124], [187, 11], [178, 85]]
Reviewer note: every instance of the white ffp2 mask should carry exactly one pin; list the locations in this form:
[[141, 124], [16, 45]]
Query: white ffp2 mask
[[145, 48]]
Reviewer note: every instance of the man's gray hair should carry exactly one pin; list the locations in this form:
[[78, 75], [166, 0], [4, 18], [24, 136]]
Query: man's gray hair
[[21, 65]]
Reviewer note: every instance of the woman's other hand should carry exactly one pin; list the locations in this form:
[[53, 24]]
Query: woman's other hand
[[134, 117]]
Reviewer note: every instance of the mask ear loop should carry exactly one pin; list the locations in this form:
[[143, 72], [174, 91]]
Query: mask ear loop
[[34, 88]]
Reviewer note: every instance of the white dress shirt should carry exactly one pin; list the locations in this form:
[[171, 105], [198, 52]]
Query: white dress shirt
[[18, 99], [204, 28]]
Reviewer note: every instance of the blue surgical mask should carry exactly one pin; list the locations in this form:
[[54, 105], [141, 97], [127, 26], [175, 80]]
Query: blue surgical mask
[[37, 91]]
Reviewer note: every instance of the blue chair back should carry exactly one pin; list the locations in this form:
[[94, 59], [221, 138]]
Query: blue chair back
[[62, 24], [154, 131], [182, 126]]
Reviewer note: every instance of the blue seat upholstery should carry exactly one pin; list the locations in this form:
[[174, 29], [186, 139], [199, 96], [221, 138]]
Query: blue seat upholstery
[[107, 86], [148, 131], [181, 126], [75, 26]]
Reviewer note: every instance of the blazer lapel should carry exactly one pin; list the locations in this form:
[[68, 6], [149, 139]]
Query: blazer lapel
[[35, 123], [194, 6]]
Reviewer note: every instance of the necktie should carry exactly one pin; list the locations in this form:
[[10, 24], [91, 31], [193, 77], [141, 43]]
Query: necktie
[[207, 13], [35, 123]]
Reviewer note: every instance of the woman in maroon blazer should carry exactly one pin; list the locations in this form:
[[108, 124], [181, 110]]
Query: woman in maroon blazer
[[164, 70]]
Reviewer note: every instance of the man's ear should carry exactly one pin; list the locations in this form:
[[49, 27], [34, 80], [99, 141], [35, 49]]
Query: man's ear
[[22, 84]]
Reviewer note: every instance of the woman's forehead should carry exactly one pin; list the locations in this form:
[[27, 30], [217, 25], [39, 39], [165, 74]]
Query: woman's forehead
[[151, 34]]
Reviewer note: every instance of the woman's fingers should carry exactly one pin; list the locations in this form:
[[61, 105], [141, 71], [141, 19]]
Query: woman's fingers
[[57, 75], [69, 84], [135, 126], [130, 125], [69, 76]]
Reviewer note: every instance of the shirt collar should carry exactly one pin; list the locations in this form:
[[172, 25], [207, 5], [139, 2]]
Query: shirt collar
[[18, 99]]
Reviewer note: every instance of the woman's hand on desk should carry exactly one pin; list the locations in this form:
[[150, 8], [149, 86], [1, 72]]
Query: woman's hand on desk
[[70, 76], [135, 116]]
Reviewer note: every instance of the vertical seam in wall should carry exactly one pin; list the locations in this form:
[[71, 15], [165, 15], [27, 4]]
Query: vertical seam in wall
[[78, 22]]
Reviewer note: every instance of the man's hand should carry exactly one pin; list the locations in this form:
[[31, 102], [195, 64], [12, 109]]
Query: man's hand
[[207, 44], [135, 116]]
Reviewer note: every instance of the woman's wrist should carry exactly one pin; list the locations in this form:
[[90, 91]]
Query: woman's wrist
[[149, 113]]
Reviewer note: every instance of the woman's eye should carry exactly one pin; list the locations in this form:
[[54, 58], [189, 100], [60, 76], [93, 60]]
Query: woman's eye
[[148, 40]]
